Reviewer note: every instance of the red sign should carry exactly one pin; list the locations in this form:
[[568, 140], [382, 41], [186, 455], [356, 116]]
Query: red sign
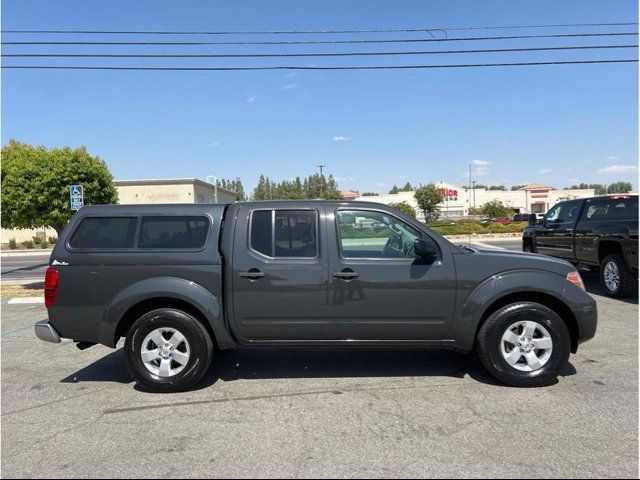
[[448, 193]]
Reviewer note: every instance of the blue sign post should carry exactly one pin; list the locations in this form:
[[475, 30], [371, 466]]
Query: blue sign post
[[76, 195]]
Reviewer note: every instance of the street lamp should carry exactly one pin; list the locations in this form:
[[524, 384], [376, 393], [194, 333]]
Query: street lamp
[[215, 187]]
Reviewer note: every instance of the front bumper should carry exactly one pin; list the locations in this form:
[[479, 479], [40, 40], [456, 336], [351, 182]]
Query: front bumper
[[46, 333]]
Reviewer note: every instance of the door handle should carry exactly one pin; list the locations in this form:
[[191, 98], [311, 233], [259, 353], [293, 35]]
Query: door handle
[[346, 274], [253, 274]]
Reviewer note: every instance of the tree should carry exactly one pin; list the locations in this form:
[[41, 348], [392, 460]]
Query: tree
[[620, 187], [314, 186], [404, 207], [36, 181], [394, 190], [429, 198], [407, 188], [501, 188], [369, 194], [516, 187], [495, 208], [235, 186]]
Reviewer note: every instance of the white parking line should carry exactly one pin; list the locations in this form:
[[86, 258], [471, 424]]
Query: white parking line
[[31, 300], [487, 246]]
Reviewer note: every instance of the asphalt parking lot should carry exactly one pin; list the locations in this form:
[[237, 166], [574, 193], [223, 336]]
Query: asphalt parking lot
[[319, 413]]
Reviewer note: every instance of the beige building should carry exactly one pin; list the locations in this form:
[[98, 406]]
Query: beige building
[[533, 198], [173, 190]]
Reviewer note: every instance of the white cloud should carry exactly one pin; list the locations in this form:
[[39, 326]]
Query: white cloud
[[480, 167], [480, 163], [215, 144], [345, 179], [291, 86], [341, 138], [251, 99], [398, 177], [544, 171], [380, 184], [619, 169], [613, 158]]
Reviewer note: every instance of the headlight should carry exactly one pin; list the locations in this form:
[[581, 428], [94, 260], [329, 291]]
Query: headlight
[[575, 278]]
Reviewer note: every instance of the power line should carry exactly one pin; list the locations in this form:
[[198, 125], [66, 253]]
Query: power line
[[311, 32], [367, 67], [333, 42], [311, 54]]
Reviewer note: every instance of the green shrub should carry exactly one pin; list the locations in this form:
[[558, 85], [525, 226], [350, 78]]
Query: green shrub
[[44, 244], [12, 244], [27, 244], [52, 240], [37, 240]]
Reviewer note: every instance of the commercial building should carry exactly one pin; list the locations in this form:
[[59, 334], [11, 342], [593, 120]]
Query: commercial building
[[458, 200], [172, 190]]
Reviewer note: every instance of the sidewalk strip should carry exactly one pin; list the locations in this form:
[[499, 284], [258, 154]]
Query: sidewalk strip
[[28, 300]]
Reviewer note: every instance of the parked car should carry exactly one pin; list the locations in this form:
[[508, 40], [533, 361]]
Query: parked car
[[600, 233], [181, 281], [503, 220], [522, 217]]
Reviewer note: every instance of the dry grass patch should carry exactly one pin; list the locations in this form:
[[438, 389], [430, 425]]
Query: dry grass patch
[[27, 290]]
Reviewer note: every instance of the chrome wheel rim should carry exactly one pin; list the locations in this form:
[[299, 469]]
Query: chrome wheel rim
[[165, 352], [526, 346], [612, 276]]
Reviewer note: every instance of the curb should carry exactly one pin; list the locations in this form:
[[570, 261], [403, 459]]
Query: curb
[[22, 253], [26, 300]]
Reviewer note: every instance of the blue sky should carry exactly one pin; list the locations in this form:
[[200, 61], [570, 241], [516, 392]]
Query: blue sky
[[557, 125]]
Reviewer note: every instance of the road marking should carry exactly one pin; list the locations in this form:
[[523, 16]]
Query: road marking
[[487, 246], [26, 300]]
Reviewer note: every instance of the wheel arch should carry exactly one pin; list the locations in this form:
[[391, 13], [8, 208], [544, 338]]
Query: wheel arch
[[549, 301], [539, 286], [164, 292]]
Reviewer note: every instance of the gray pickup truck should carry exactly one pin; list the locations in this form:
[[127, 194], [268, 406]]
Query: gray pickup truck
[[180, 281]]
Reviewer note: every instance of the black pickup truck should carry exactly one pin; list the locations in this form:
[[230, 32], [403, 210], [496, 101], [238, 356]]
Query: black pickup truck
[[600, 233], [178, 281]]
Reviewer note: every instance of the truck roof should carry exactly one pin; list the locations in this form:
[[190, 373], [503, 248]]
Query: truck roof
[[208, 207]]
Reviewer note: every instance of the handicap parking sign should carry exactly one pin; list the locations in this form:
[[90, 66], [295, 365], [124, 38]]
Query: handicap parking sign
[[77, 197]]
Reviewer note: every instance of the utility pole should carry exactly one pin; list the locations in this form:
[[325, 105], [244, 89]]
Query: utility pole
[[321, 166], [474, 194]]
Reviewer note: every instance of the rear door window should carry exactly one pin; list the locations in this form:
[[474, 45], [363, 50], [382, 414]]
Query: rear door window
[[284, 233], [105, 233], [611, 208], [173, 232]]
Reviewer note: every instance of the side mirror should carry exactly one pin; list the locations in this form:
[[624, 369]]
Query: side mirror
[[425, 248]]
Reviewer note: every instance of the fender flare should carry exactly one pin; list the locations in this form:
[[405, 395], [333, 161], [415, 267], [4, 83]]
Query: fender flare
[[165, 287], [499, 286]]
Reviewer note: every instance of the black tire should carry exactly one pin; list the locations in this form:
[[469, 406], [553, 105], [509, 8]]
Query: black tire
[[200, 345], [528, 247], [490, 338], [628, 282]]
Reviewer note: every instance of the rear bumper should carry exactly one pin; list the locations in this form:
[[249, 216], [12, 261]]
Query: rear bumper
[[46, 333]]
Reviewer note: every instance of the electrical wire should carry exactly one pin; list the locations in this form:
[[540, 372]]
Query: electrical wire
[[311, 54], [313, 32], [334, 42], [367, 67]]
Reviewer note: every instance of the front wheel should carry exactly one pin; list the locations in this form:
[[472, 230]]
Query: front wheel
[[524, 344], [167, 350]]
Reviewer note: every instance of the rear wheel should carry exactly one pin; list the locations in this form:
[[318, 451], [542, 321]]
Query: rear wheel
[[616, 277], [524, 344], [167, 350]]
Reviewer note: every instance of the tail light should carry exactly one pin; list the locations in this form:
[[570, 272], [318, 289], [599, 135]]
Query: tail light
[[50, 287]]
